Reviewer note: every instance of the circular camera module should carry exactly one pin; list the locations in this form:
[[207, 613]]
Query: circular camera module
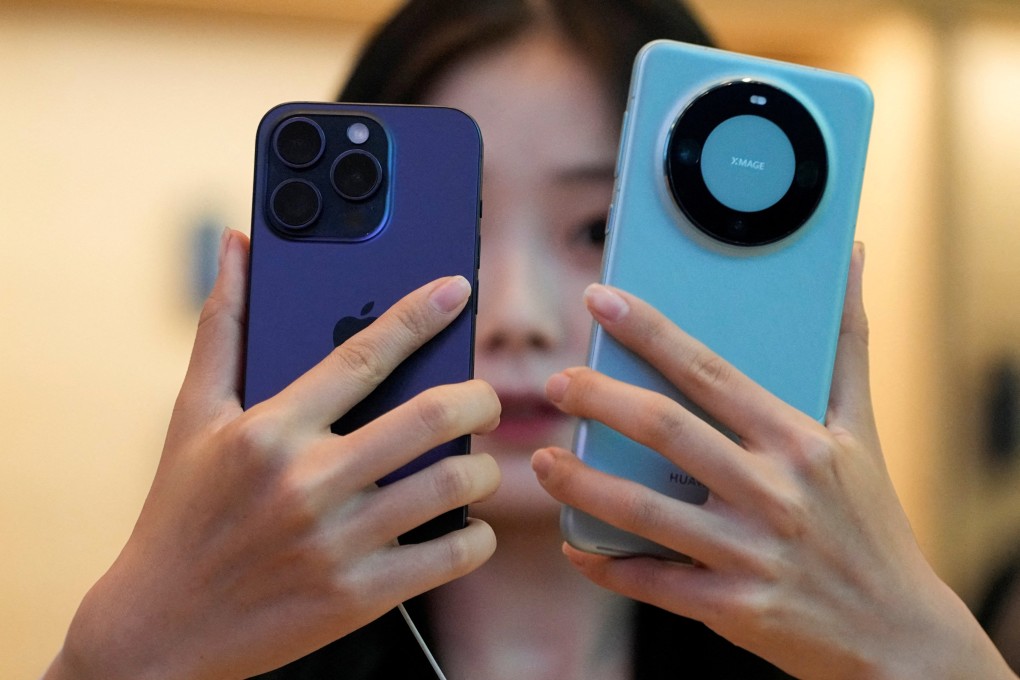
[[295, 204], [357, 175], [746, 163], [299, 142]]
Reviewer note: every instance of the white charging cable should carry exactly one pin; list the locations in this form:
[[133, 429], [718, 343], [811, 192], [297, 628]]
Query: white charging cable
[[421, 642]]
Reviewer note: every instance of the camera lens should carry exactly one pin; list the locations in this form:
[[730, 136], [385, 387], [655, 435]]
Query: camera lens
[[299, 142], [356, 175], [295, 204], [746, 163]]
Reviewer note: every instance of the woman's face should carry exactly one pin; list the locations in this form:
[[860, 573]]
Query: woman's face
[[550, 146]]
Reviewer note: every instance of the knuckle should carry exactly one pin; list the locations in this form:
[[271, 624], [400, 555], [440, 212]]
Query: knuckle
[[265, 461], [436, 412], [293, 516], [783, 512], [457, 555], [452, 482], [214, 307], [362, 359], [654, 331], [789, 518], [347, 589], [751, 595], [415, 321], [258, 435], [750, 607], [710, 370], [664, 426], [641, 513], [817, 457]]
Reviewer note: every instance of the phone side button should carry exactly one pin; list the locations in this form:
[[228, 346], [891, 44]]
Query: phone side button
[[619, 151]]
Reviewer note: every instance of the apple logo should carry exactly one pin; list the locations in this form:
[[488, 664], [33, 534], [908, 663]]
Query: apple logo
[[368, 409], [349, 325], [400, 385]]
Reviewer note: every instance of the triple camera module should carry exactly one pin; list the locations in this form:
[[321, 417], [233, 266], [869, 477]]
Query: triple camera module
[[746, 163], [328, 177]]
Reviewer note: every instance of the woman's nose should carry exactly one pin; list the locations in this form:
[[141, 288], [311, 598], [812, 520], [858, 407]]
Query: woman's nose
[[518, 298]]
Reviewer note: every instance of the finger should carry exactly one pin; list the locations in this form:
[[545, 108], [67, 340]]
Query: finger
[[450, 483], [213, 378], [397, 573], [685, 528], [356, 367], [683, 589], [434, 417], [726, 394], [408, 570], [659, 423], [850, 396]]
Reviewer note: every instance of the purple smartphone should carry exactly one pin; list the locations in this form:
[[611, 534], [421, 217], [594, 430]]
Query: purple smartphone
[[355, 206]]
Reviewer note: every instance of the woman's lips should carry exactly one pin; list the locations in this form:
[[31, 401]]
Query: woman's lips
[[529, 420]]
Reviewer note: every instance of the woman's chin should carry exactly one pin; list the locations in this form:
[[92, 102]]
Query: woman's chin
[[520, 501]]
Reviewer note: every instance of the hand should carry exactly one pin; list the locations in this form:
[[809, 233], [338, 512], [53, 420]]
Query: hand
[[263, 536], [802, 552]]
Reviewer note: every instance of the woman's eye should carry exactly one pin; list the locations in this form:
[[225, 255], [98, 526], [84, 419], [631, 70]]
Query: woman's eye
[[594, 232]]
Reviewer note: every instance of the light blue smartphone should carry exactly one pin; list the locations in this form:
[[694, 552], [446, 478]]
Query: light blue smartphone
[[734, 211]]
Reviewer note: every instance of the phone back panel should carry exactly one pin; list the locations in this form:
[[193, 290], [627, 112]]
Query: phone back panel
[[773, 311], [301, 286]]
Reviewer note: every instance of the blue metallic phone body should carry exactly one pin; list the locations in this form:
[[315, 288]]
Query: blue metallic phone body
[[772, 310], [304, 281]]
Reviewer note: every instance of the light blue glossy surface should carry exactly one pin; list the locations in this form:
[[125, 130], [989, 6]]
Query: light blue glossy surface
[[773, 311]]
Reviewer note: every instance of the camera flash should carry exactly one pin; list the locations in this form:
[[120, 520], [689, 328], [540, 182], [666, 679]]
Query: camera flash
[[758, 100], [358, 133]]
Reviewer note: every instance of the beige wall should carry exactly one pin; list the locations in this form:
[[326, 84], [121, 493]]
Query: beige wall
[[124, 124], [983, 263], [119, 130]]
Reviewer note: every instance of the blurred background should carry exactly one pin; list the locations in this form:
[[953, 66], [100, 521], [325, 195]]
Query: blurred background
[[126, 143]]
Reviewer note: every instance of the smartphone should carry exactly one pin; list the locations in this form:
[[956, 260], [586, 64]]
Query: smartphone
[[733, 213], [353, 207]]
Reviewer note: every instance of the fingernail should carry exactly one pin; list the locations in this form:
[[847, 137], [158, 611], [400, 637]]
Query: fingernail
[[541, 463], [451, 294], [556, 387], [605, 303]]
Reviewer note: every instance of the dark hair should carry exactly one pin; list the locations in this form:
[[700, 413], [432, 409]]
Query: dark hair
[[405, 57]]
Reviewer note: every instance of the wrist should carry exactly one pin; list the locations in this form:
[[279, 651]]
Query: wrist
[[948, 645], [110, 639]]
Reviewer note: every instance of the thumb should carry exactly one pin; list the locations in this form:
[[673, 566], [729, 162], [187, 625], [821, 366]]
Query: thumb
[[850, 396], [213, 380]]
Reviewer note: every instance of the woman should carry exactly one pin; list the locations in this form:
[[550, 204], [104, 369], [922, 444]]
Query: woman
[[546, 83], [816, 570]]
